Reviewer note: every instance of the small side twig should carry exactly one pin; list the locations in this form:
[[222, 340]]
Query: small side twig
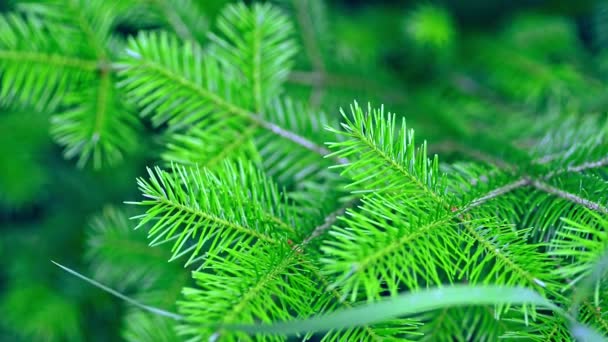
[[498, 192], [589, 165], [328, 222], [579, 168], [300, 140], [569, 196]]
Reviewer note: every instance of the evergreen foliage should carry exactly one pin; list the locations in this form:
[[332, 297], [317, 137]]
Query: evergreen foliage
[[265, 203]]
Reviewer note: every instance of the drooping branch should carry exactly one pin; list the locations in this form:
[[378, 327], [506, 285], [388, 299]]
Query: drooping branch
[[53, 59]]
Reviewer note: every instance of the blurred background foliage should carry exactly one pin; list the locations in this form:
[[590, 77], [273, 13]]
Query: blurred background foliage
[[452, 67]]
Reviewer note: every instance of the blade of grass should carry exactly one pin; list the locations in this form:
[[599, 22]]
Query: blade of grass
[[403, 305], [127, 299]]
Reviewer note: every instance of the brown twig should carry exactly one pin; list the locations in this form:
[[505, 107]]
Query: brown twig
[[328, 222], [569, 196]]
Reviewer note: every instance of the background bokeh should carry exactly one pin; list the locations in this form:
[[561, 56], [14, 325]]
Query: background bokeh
[[430, 61]]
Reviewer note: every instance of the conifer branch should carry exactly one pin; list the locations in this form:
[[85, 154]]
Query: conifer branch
[[497, 193], [525, 181], [232, 108], [328, 222], [88, 30], [295, 138], [327, 286], [242, 139], [310, 265], [397, 244], [410, 226], [589, 165], [569, 196], [252, 292], [580, 168], [495, 250], [52, 59], [215, 219], [596, 314], [392, 164], [101, 106], [451, 146]]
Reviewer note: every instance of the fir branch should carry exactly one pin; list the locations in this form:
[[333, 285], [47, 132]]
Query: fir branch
[[513, 258], [93, 34], [96, 125], [56, 60], [589, 165], [363, 333], [256, 44], [367, 332], [299, 140], [217, 208], [229, 149], [146, 64], [38, 69], [394, 226], [371, 136], [569, 196], [596, 314], [101, 108], [451, 146], [209, 143], [497, 193], [328, 222]]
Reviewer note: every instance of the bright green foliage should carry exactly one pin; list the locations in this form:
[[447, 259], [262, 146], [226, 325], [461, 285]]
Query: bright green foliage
[[254, 44], [234, 207], [58, 57], [112, 126], [264, 202], [121, 258], [268, 284], [143, 326], [430, 26], [36, 69]]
